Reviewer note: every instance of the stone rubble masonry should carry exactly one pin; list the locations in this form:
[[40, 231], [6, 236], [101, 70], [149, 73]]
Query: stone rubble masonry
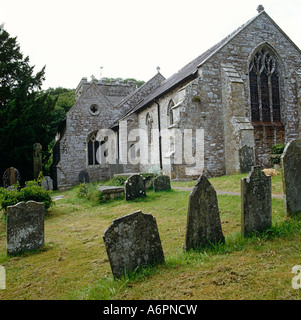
[[203, 219], [216, 100], [291, 176], [256, 202], [25, 227], [133, 241]]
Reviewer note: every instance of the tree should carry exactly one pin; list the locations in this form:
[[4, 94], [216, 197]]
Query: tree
[[27, 115]]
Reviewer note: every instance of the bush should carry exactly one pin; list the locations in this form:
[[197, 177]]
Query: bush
[[119, 180], [36, 193], [278, 148], [32, 192], [277, 151], [90, 192]]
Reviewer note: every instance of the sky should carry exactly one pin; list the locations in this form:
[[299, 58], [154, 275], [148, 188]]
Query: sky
[[129, 38]]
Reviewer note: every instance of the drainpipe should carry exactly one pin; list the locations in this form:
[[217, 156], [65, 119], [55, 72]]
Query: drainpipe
[[159, 127]]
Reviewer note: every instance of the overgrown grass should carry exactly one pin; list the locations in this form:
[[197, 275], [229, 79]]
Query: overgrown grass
[[74, 263]]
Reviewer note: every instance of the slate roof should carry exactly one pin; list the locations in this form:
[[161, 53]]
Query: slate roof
[[187, 72]]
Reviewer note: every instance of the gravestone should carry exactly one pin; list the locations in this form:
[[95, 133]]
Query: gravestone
[[25, 227], [10, 177], [291, 177], [37, 160], [134, 187], [162, 183], [256, 202], [47, 183], [83, 177], [203, 219], [133, 241]]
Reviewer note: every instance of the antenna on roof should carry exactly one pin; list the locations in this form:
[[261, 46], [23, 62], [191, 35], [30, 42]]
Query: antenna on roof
[[158, 69], [260, 8]]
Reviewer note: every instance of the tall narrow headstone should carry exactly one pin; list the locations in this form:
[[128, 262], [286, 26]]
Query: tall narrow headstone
[[203, 219], [162, 183], [256, 202], [291, 177], [134, 187], [133, 241], [25, 227]]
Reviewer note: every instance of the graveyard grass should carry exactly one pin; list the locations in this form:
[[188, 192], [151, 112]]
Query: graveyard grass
[[74, 264]]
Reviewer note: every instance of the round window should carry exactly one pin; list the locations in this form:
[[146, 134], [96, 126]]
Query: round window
[[94, 109]]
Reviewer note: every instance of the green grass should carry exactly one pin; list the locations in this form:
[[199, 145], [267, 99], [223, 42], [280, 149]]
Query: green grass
[[232, 183], [74, 263]]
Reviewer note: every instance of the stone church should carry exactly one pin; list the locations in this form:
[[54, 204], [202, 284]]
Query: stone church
[[243, 95]]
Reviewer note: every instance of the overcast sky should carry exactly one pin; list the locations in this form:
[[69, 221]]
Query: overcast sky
[[129, 38]]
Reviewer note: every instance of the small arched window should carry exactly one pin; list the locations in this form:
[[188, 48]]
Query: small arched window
[[170, 112]]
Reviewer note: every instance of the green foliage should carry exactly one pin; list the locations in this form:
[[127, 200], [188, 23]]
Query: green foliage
[[27, 115], [119, 180], [35, 193], [89, 191], [277, 151], [278, 148], [31, 192], [9, 197]]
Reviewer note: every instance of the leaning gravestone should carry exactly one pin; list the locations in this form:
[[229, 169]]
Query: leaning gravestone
[[83, 177], [133, 241], [256, 202], [162, 183], [25, 227], [10, 177], [203, 219], [291, 177], [134, 187]]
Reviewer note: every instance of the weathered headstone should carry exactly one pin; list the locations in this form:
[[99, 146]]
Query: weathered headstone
[[256, 202], [133, 241], [25, 227], [134, 187], [203, 219], [83, 177], [291, 177], [47, 183], [37, 160], [10, 177], [162, 183]]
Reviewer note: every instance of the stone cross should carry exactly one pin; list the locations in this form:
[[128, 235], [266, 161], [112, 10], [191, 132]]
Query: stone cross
[[25, 227], [162, 183], [256, 202], [203, 219], [291, 177], [133, 241], [134, 187]]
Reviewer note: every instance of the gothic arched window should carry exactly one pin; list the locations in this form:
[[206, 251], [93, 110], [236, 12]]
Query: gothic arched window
[[93, 146], [264, 87]]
